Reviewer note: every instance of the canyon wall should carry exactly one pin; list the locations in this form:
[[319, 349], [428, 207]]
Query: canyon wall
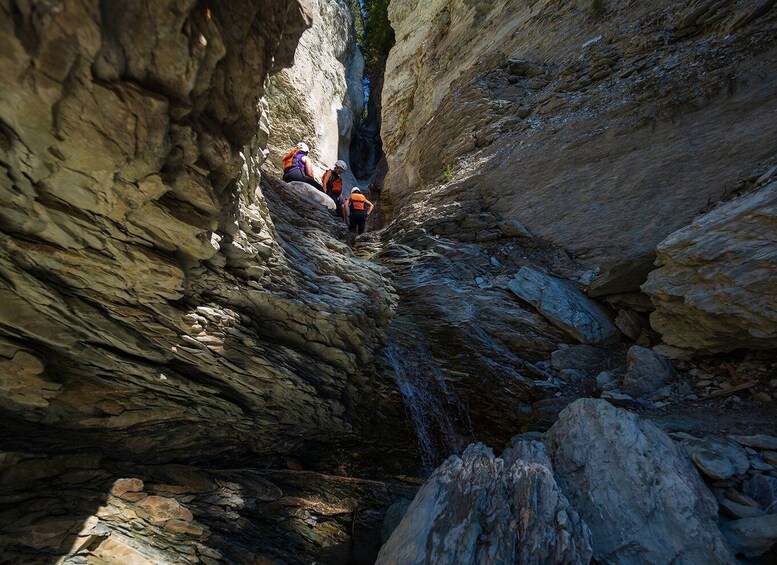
[[162, 302], [601, 132], [319, 98]]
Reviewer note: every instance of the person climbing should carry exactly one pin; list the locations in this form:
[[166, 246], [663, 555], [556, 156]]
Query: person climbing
[[357, 210], [333, 183], [297, 166]]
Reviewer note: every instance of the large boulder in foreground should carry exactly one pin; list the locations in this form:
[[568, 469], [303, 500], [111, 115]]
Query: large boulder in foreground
[[714, 290], [564, 305], [642, 499], [477, 509]]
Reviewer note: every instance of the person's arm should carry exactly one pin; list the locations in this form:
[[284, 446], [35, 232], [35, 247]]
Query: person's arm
[[325, 180], [370, 204], [308, 166]]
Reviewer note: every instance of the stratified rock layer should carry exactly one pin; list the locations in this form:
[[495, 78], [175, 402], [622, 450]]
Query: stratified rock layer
[[715, 288]]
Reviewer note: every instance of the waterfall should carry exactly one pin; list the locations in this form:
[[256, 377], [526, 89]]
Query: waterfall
[[436, 412]]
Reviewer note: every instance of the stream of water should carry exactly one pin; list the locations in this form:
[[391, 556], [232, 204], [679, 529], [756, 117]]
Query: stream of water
[[438, 415]]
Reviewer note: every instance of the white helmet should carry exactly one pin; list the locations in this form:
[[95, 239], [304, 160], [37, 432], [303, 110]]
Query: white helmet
[[302, 146], [342, 165], [356, 189]]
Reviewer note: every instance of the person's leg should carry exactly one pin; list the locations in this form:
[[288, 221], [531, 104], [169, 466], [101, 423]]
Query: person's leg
[[293, 175], [297, 175], [362, 224], [338, 207], [312, 182]]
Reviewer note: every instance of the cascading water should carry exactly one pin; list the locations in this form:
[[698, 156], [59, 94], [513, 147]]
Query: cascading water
[[437, 414]]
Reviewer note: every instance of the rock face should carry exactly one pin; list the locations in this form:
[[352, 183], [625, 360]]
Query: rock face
[[478, 509], [642, 499], [318, 98], [87, 508], [714, 289], [598, 132], [647, 372], [564, 306], [158, 300], [142, 284]]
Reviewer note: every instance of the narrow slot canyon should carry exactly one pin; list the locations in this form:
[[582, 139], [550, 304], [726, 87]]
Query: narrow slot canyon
[[555, 342]]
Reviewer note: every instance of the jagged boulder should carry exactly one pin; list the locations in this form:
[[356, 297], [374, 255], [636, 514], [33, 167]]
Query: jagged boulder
[[714, 290], [477, 509], [564, 305], [642, 498]]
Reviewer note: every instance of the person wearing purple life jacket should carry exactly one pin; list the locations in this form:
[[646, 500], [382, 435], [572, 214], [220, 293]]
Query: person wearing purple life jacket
[[297, 166]]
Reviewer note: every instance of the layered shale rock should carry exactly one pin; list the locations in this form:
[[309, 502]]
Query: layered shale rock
[[87, 508], [600, 132], [159, 300], [714, 289], [143, 288]]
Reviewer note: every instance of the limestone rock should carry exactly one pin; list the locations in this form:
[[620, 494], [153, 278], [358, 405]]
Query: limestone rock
[[320, 97], [647, 372], [582, 357], [718, 459], [759, 441], [709, 291], [631, 324], [564, 306], [762, 489], [477, 509], [311, 194], [752, 536], [642, 499], [605, 380], [740, 510]]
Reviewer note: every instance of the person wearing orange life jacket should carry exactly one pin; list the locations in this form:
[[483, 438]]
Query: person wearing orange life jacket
[[333, 183], [357, 210], [297, 166]]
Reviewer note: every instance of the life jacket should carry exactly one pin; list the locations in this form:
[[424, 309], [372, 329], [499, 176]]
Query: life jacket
[[293, 160], [356, 202], [335, 183]]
